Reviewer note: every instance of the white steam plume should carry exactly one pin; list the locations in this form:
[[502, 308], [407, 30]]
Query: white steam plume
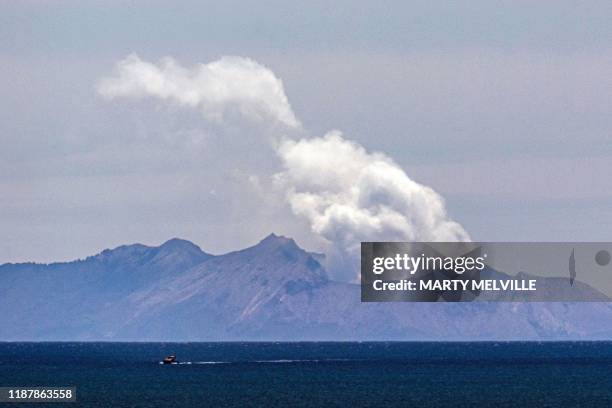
[[230, 83], [347, 194]]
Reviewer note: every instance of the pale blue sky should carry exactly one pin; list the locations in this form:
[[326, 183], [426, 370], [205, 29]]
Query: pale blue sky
[[502, 107]]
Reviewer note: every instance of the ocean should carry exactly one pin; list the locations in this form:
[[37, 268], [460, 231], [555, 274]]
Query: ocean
[[368, 374]]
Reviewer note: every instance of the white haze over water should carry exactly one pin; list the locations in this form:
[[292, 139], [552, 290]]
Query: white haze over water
[[346, 193]]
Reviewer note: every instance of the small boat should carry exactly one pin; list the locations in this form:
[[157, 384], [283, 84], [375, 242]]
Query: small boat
[[171, 359]]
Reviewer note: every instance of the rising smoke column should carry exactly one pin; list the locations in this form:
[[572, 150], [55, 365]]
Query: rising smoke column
[[346, 193], [216, 88], [349, 195]]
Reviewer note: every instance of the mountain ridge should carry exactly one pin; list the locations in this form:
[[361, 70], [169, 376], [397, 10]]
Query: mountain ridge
[[273, 290]]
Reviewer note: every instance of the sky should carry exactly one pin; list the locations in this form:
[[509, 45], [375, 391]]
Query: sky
[[502, 107]]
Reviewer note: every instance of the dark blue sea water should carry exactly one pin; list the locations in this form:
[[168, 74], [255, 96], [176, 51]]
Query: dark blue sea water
[[317, 374]]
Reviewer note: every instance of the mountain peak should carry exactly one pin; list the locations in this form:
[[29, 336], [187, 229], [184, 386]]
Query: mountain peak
[[274, 240], [277, 247], [178, 243], [180, 252]]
